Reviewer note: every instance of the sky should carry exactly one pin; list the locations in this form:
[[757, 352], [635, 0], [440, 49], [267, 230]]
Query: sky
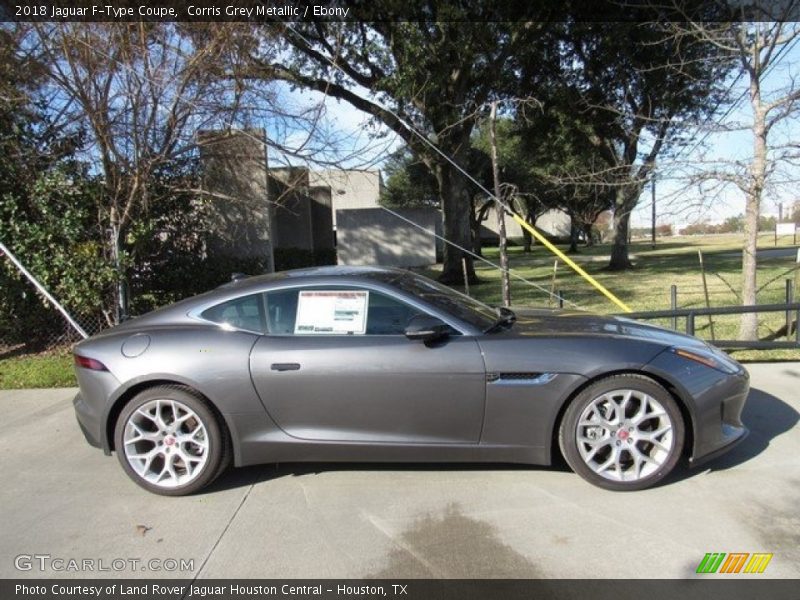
[[680, 206], [356, 141]]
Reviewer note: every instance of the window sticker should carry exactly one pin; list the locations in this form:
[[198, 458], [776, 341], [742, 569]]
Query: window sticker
[[332, 312]]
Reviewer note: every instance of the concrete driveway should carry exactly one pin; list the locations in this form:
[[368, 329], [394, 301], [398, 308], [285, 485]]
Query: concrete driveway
[[64, 500]]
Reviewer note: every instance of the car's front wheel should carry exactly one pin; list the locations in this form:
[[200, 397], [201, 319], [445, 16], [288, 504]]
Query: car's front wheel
[[621, 433], [170, 442]]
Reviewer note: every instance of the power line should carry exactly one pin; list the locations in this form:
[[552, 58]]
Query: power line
[[480, 258], [424, 139], [411, 129], [775, 61]]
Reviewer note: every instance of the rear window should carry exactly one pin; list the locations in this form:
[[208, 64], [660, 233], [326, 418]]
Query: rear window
[[246, 312]]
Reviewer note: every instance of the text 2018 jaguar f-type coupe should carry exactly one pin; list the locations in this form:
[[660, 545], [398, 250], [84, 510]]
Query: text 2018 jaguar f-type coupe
[[371, 364]]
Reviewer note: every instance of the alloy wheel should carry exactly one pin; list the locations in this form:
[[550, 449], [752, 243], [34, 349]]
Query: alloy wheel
[[166, 443], [625, 435]]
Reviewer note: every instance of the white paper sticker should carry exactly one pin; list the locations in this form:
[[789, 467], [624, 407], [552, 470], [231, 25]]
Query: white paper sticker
[[331, 312]]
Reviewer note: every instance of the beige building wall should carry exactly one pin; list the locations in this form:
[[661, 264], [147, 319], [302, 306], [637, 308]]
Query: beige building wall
[[349, 188], [371, 236], [301, 214], [553, 222], [234, 166]]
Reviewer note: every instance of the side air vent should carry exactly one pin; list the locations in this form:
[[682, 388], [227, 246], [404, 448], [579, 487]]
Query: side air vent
[[520, 378], [516, 376]]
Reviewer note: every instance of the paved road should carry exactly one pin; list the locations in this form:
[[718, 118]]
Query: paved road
[[769, 253], [64, 499]]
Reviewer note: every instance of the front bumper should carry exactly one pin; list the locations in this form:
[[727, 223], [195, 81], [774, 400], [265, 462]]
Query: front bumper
[[733, 435], [719, 426], [714, 400]]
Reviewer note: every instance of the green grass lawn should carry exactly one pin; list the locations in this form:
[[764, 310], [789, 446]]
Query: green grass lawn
[[45, 370], [647, 286]]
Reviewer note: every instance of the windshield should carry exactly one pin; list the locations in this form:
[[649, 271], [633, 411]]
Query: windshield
[[450, 301]]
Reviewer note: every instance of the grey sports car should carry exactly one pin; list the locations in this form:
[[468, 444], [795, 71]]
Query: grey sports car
[[372, 364]]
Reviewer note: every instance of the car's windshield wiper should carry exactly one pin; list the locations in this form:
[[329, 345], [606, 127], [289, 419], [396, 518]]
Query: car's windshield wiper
[[505, 319]]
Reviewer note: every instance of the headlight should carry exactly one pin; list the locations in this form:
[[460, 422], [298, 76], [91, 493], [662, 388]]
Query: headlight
[[720, 362]]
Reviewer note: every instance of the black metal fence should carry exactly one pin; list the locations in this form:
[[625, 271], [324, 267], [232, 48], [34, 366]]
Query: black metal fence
[[791, 309]]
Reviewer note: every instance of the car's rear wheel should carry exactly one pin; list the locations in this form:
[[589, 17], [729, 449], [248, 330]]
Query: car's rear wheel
[[621, 433], [170, 442]]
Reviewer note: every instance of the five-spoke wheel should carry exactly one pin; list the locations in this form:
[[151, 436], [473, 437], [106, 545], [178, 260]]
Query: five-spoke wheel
[[622, 433], [169, 441]]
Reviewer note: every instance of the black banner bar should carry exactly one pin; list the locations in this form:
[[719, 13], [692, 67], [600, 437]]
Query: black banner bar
[[732, 588], [257, 11]]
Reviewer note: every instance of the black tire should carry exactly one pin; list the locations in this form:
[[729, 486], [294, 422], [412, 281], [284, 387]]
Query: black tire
[[217, 453], [616, 441]]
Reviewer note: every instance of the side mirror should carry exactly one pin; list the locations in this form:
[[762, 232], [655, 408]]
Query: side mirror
[[426, 328]]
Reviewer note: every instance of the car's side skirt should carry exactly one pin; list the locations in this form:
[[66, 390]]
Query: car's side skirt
[[279, 448]]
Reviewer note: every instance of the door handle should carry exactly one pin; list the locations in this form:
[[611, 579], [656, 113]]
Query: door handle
[[285, 366]]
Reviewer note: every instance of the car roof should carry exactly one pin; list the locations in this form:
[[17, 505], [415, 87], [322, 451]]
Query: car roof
[[368, 273], [177, 312]]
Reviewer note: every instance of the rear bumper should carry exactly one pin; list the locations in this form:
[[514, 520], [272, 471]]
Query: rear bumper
[[89, 422], [92, 403]]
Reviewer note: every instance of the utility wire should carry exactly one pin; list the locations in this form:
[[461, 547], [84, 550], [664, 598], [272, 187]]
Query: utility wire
[[774, 63], [506, 208], [480, 258]]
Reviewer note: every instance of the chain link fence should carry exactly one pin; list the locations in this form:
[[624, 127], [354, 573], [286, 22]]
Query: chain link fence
[[60, 336]]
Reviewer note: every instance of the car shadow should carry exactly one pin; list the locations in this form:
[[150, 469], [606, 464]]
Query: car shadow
[[765, 415]]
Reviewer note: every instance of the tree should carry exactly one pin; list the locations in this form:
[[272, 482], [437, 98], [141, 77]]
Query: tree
[[46, 216], [408, 182], [565, 172], [425, 80], [140, 91], [635, 90], [756, 47]]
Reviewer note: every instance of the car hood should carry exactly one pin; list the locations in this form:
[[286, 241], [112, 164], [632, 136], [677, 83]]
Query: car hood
[[534, 322]]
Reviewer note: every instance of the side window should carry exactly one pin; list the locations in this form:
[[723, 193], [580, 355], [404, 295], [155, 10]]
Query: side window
[[281, 311], [387, 316], [335, 311], [242, 313]]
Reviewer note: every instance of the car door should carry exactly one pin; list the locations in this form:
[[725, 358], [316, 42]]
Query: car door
[[336, 366]]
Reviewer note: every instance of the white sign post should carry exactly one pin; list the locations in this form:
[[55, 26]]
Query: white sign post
[[786, 229]]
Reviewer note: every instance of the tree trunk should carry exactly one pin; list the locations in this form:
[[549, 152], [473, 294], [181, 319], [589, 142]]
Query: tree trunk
[[501, 215], [587, 231], [477, 243], [120, 304], [455, 212], [527, 238], [476, 218], [573, 235], [622, 217], [748, 329]]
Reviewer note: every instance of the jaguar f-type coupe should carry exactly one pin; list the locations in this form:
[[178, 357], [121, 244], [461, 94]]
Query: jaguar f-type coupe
[[370, 364]]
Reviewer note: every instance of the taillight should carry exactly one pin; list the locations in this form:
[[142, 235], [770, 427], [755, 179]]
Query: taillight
[[89, 363]]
